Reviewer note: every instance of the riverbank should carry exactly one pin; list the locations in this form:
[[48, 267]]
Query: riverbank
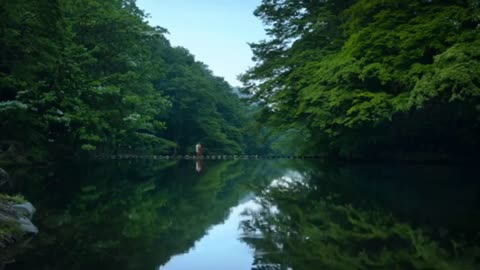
[[15, 222], [15, 219]]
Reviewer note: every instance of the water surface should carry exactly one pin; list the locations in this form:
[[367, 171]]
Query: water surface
[[280, 214]]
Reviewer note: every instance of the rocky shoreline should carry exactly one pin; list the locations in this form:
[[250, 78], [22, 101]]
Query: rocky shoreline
[[16, 227]]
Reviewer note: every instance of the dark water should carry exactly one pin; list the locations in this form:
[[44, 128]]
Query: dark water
[[251, 215]]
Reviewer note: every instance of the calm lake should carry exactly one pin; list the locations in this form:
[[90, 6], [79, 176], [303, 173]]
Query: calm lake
[[257, 214]]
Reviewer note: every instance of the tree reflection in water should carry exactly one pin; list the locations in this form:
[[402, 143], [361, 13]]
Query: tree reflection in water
[[300, 226], [119, 215]]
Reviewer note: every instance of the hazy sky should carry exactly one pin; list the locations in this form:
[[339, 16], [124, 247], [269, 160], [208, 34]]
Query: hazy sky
[[215, 31]]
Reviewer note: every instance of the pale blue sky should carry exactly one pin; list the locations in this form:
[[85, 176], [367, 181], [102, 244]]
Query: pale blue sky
[[215, 31]]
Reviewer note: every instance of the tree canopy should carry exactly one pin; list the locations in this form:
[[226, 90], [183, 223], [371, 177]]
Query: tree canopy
[[371, 78], [93, 76]]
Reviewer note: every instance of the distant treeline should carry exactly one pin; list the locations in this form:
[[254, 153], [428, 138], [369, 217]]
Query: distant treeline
[[371, 78], [79, 76]]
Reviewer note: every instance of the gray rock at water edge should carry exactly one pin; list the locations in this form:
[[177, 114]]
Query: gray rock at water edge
[[26, 209], [19, 214], [3, 177], [24, 223], [27, 226], [24, 212]]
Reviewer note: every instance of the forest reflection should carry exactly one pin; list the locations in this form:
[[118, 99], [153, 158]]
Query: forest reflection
[[121, 215], [336, 219], [300, 214]]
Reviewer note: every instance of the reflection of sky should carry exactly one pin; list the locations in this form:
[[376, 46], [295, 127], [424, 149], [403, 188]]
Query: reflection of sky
[[220, 249], [286, 181]]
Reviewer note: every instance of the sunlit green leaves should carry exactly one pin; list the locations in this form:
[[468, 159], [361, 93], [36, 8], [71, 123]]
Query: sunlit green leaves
[[94, 76], [364, 69]]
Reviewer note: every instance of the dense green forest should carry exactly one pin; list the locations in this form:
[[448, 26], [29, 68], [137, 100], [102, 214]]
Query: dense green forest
[[93, 77], [371, 78], [85, 83], [346, 79]]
